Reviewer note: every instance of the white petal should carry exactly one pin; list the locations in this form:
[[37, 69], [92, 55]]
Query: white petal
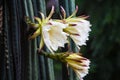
[[47, 40], [57, 36], [82, 29], [54, 36]]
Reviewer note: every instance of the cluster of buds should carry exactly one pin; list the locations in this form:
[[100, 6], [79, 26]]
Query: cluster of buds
[[54, 33]]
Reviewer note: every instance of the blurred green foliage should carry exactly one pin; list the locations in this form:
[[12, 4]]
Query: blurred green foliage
[[103, 46]]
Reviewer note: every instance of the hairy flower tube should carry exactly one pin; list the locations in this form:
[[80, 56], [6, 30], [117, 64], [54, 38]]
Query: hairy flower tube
[[79, 64], [51, 32], [77, 27]]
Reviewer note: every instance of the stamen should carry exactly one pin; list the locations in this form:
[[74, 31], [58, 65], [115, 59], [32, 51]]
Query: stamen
[[51, 13], [74, 13], [63, 12]]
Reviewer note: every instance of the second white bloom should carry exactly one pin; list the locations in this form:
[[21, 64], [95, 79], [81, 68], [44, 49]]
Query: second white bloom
[[78, 31]]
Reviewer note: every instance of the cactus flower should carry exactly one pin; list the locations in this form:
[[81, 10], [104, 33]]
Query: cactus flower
[[79, 64], [78, 31], [54, 36], [51, 32], [77, 27]]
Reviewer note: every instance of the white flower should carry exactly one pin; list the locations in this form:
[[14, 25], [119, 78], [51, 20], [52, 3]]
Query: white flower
[[51, 32], [54, 36], [79, 31], [78, 28], [79, 64]]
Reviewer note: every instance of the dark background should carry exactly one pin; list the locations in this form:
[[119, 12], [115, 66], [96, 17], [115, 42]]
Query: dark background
[[103, 48]]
